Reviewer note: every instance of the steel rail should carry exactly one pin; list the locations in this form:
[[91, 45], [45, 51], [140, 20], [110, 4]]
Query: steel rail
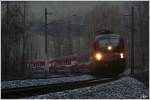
[[14, 93]]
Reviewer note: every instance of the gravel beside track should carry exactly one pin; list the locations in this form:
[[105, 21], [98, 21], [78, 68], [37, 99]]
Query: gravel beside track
[[126, 87], [36, 82]]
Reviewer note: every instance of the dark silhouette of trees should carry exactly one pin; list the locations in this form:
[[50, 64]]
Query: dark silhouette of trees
[[13, 39]]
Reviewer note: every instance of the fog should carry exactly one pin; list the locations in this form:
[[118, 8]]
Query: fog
[[23, 31]]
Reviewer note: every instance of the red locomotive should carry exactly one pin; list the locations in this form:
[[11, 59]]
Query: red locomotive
[[108, 54]]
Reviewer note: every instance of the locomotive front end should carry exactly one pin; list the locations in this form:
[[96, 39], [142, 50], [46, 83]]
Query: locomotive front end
[[109, 54]]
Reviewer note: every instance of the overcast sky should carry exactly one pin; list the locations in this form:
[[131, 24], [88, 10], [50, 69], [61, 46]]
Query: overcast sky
[[61, 8]]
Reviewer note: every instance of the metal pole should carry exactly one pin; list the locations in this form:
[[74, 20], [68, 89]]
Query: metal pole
[[7, 40], [23, 56], [46, 56], [46, 31], [132, 41], [70, 36]]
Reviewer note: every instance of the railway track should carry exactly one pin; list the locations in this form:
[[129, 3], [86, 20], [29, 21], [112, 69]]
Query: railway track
[[15, 93]]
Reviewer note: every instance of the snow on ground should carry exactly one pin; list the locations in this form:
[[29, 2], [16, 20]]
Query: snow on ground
[[35, 82], [123, 88]]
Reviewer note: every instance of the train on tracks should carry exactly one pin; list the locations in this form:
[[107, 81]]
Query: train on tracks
[[108, 53], [106, 57]]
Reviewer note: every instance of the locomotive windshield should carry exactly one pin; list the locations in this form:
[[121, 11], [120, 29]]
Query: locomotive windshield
[[105, 41]]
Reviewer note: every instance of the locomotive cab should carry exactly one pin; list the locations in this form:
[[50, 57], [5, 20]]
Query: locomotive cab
[[109, 54]]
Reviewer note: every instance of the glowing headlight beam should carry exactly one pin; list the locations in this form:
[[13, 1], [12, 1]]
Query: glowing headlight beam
[[109, 48], [98, 56], [121, 55]]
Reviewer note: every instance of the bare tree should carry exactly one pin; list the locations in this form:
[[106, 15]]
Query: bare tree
[[12, 36]]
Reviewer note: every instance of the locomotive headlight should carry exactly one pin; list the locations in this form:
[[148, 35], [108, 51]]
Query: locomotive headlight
[[98, 56], [109, 47], [121, 55]]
